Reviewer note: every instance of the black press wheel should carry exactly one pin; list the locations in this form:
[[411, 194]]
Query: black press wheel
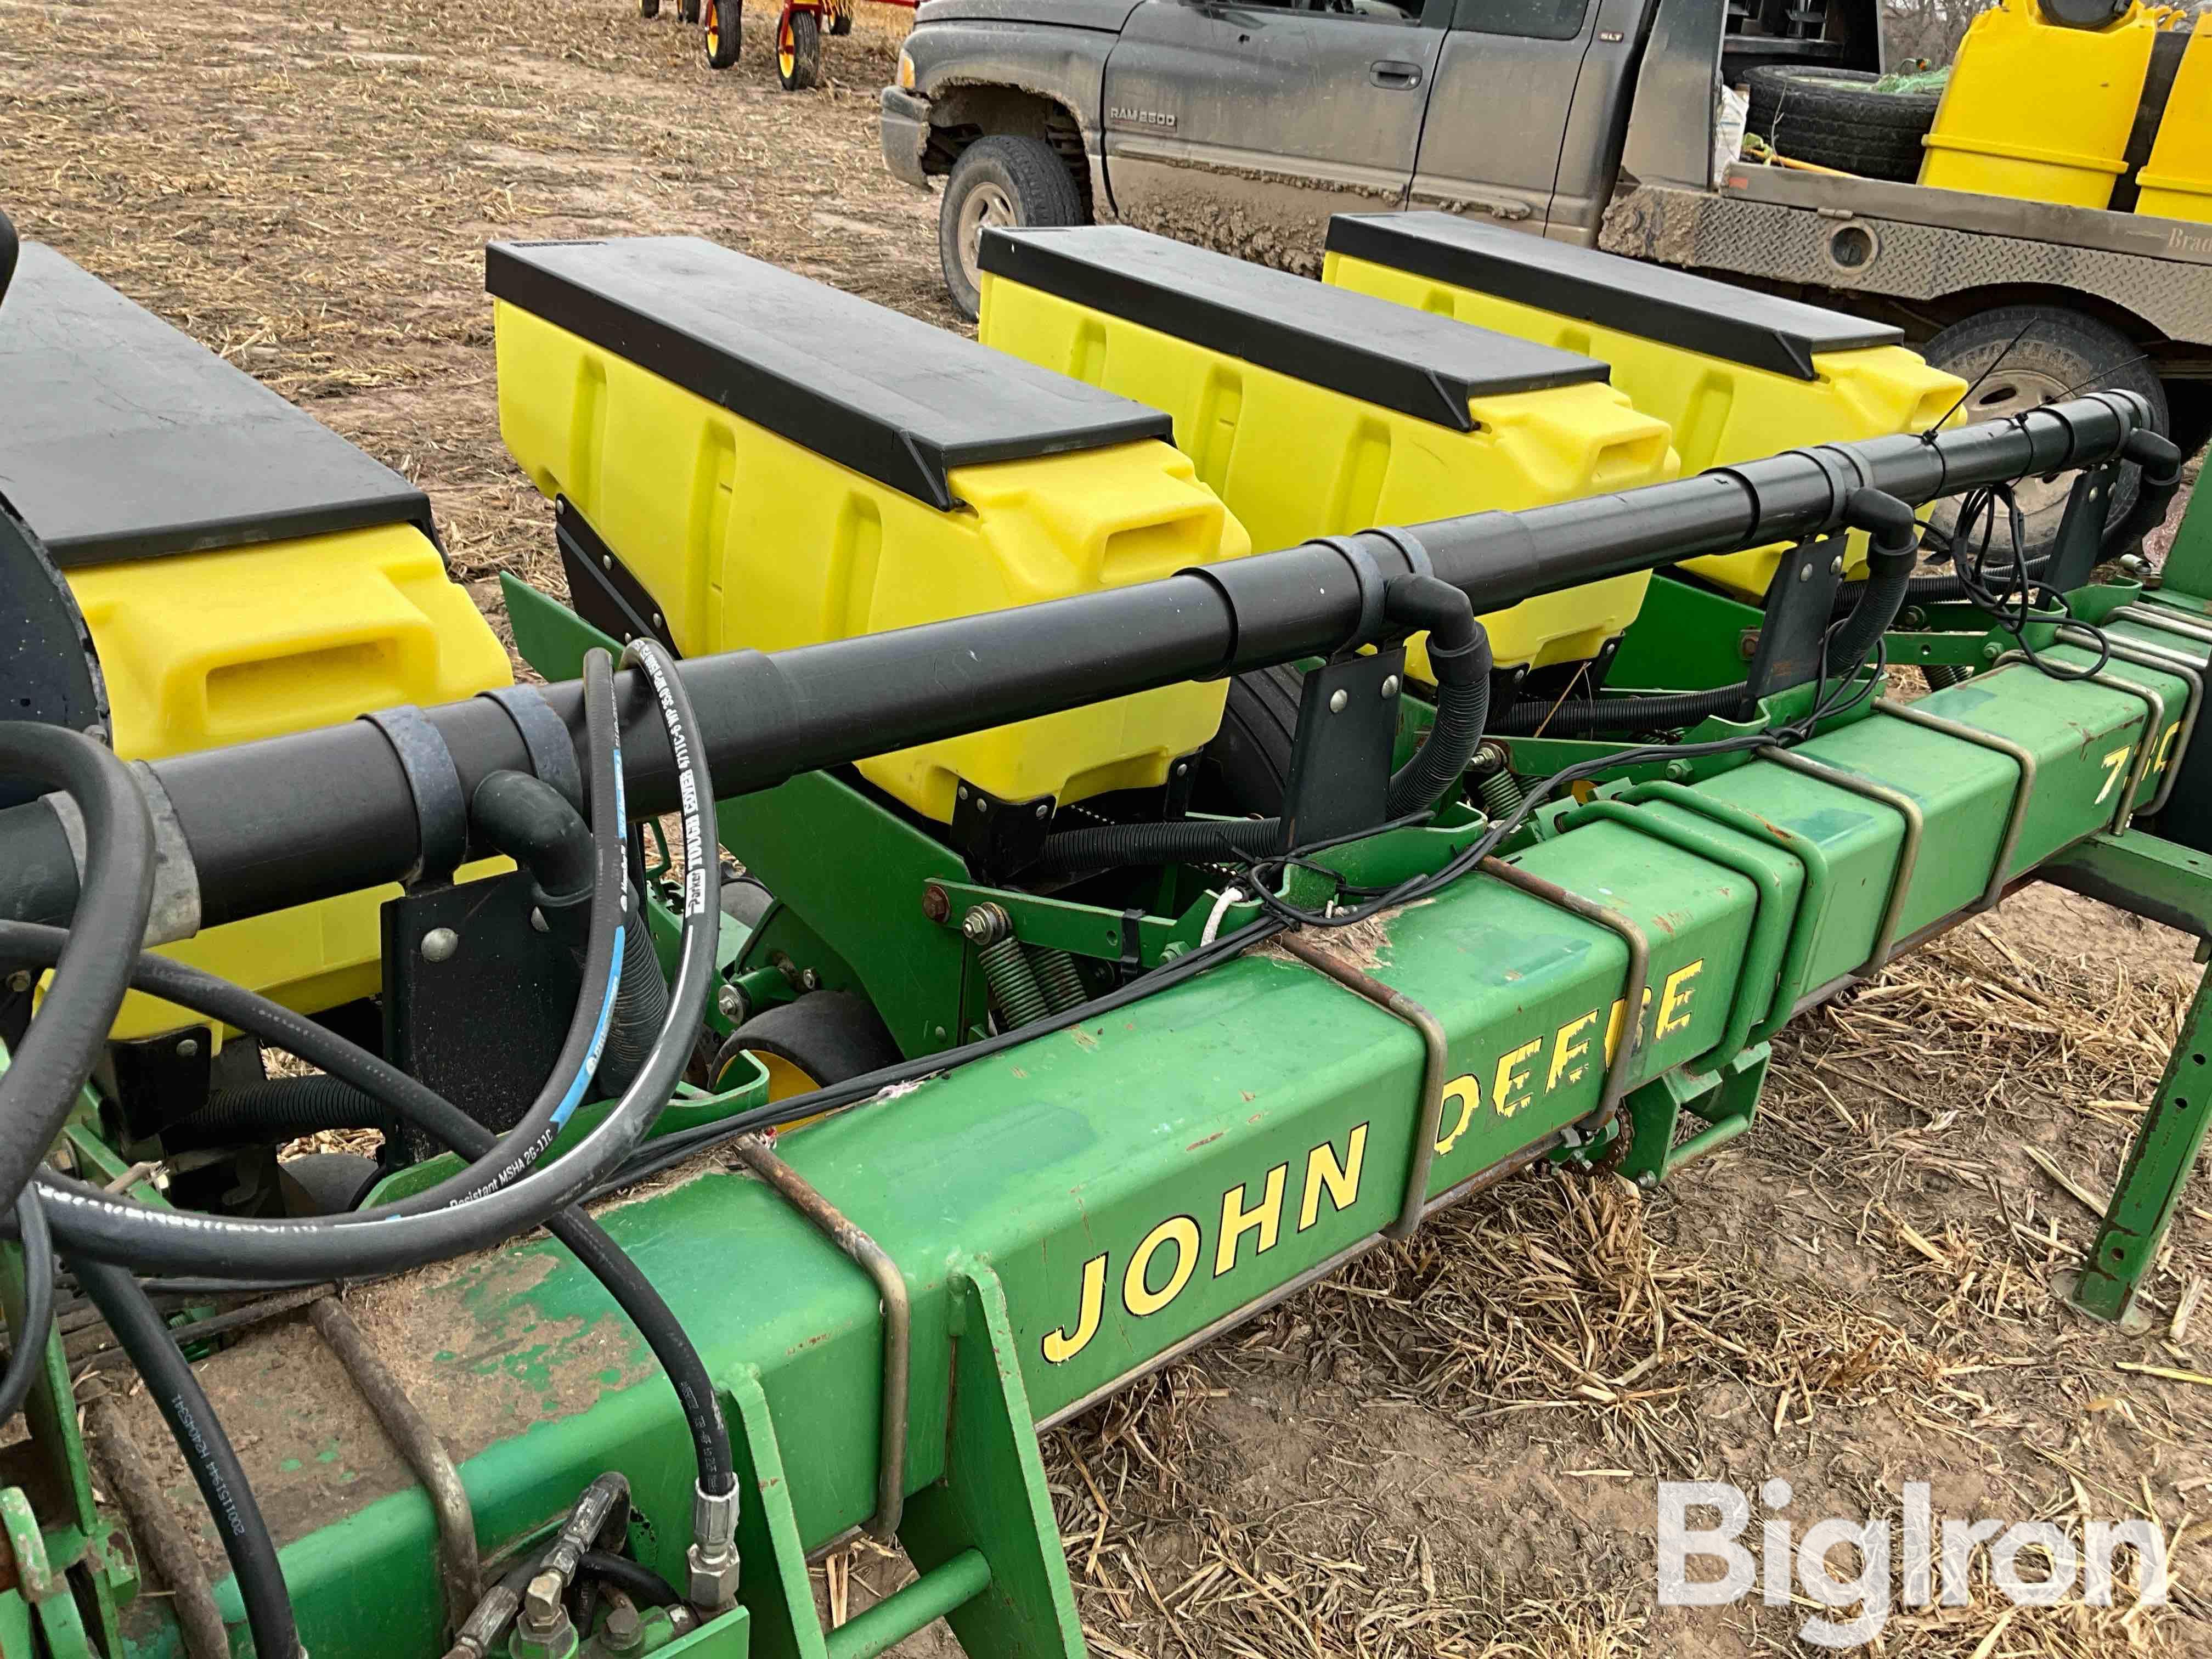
[[725, 33], [999, 180], [2017, 357], [1834, 119], [1246, 768], [825, 1037], [799, 48]]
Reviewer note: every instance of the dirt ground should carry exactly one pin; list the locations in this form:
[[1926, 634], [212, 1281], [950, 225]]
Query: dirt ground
[[1452, 1448]]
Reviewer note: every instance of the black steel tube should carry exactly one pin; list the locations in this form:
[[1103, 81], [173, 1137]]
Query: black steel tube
[[295, 818]]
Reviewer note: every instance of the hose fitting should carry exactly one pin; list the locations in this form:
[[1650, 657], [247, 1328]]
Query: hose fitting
[[712, 1557]]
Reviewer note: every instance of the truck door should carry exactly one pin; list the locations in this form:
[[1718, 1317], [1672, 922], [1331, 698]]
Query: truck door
[[1246, 125], [1526, 122]]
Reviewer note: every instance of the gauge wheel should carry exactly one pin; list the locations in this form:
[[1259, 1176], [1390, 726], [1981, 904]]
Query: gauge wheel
[[725, 33], [799, 48], [824, 1037]]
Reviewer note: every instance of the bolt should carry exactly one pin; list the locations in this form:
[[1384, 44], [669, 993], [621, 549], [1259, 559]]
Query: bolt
[[1044, 809], [1390, 687], [936, 904], [986, 924], [1337, 701], [657, 622], [809, 979], [1677, 771], [1649, 1181], [538, 921], [188, 1049], [19, 979], [606, 561], [1805, 574], [1991, 651], [730, 1003], [440, 943], [1489, 758], [963, 792], [1836, 565], [1181, 767], [622, 1630], [1746, 644]]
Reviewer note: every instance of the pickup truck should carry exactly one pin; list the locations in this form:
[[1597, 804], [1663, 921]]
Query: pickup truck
[[1245, 125]]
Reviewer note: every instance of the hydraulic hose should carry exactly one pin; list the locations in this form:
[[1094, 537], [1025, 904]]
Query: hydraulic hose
[[1460, 657], [1894, 548], [1578, 715], [68, 1034], [26, 1354], [633, 1579], [280, 1109], [206, 1450], [89, 1222], [530, 821]]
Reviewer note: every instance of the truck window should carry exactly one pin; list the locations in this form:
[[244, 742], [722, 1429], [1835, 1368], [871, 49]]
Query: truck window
[[1370, 12], [1533, 20]]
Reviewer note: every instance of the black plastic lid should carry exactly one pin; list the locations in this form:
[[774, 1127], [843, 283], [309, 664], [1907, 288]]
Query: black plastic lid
[[1383, 354], [1653, 302], [885, 394], [125, 439]]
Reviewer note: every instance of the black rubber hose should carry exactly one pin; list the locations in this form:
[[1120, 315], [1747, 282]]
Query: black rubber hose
[[1459, 656], [67, 1036], [1576, 716], [633, 1579], [88, 1221], [1894, 548], [27, 1355], [530, 821], [281, 1108], [2160, 459], [1460, 659], [381, 1085], [206, 1450]]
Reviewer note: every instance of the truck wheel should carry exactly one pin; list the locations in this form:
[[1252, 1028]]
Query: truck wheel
[[2016, 357], [724, 31], [1834, 119], [1000, 180], [799, 48]]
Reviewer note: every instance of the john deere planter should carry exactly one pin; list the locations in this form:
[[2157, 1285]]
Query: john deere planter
[[720, 1212]]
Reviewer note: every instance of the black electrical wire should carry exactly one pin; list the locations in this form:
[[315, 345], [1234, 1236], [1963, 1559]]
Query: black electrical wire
[[27, 1355], [68, 1035], [89, 1222], [633, 1578], [207, 1452]]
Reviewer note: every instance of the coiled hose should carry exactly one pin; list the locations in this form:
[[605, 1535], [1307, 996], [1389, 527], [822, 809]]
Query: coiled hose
[[281, 1108], [1460, 657]]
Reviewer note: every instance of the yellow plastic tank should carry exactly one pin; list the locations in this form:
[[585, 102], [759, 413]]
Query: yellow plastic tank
[[1313, 411], [1736, 374], [775, 463], [200, 650], [2040, 111], [2176, 182]]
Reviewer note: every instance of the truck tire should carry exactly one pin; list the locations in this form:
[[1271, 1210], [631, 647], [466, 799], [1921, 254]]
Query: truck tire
[[1000, 180], [2016, 357], [1834, 119]]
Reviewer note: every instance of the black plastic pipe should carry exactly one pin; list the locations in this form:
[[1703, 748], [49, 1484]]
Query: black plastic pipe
[[295, 819]]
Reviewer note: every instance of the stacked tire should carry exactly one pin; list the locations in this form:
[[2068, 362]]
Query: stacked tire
[[1834, 117]]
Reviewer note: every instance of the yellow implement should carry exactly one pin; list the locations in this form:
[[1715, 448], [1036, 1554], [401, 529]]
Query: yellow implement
[[1736, 374]]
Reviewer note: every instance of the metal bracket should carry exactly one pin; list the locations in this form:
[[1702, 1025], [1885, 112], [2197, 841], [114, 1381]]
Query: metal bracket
[[601, 586], [415, 1440], [1908, 854], [2081, 529], [1340, 756], [2023, 792], [757, 1153], [1632, 988], [1801, 603], [1436, 1068], [995, 836]]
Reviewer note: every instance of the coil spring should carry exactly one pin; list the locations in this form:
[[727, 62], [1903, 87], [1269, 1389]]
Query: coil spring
[[1063, 985], [1942, 674], [1015, 992], [1501, 792]]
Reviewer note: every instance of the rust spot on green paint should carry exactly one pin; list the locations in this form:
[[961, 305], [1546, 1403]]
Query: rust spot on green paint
[[1084, 1039], [1207, 1140]]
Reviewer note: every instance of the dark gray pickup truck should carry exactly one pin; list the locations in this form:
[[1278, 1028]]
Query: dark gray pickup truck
[[1246, 125]]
